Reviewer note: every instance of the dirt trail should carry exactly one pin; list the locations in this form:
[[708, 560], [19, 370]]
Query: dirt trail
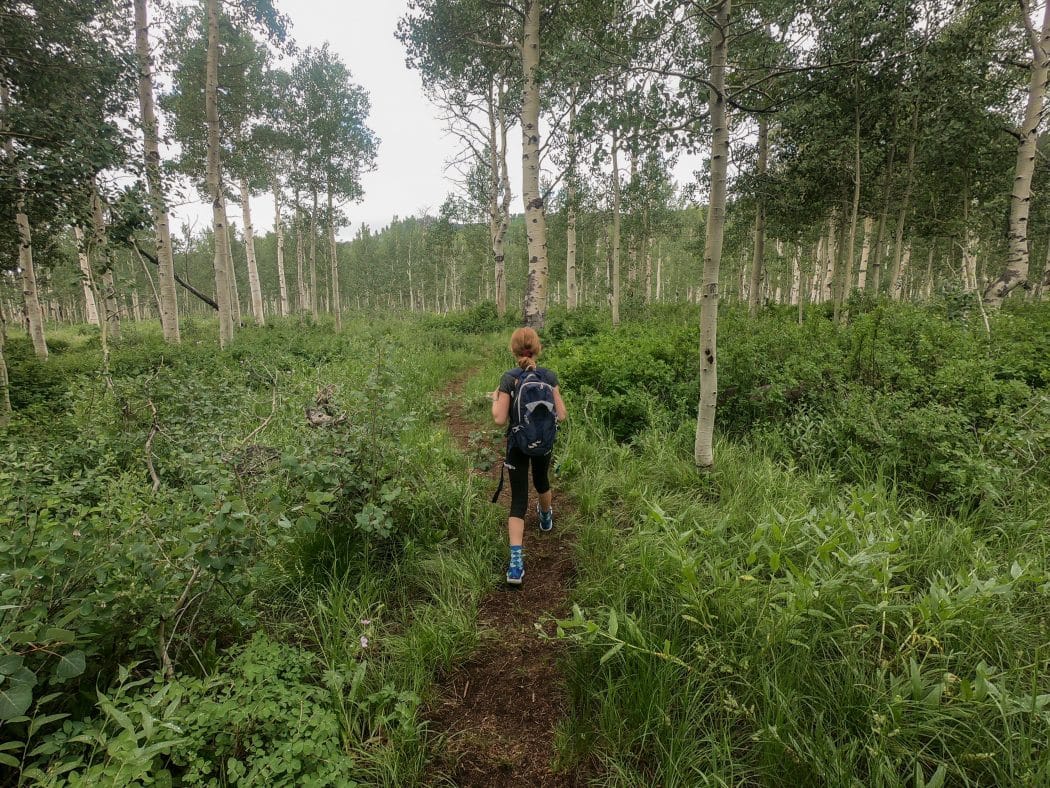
[[499, 711]]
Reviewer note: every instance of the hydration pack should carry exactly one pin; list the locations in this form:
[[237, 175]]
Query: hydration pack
[[533, 420]]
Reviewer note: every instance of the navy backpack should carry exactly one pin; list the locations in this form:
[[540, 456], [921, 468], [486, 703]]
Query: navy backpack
[[533, 418]]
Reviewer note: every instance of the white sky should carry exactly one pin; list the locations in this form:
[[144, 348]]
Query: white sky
[[414, 148]]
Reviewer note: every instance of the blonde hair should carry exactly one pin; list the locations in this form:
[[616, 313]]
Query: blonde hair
[[526, 347]]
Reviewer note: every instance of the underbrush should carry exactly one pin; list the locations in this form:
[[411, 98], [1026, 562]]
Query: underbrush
[[767, 625], [199, 587], [857, 594], [953, 414]]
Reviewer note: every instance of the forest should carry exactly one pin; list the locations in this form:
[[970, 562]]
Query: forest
[[789, 261]]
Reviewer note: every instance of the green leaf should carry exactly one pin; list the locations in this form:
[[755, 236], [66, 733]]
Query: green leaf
[[10, 664], [8, 760], [14, 700], [70, 665], [614, 625], [610, 653], [60, 635], [937, 780], [22, 676]]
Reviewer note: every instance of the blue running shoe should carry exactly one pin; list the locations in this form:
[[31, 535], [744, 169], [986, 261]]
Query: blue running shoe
[[546, 518], [516, 569]]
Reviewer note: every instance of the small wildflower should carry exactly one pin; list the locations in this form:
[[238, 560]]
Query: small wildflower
[[364, 642], [76, 533], [365, 622]]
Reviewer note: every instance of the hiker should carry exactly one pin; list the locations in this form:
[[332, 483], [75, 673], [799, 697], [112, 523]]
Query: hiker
[[529, 402]]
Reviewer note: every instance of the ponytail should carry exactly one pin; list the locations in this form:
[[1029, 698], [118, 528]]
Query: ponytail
[[525, 345]]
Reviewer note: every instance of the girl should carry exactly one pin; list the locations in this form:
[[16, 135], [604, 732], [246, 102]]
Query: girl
[[526, 347]]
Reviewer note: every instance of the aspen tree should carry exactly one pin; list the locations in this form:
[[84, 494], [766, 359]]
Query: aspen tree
[[703, 449], [535, 217], [87, 280], [222, 262], [254, 285], [168, 300], [5, 381], [1017, 263], [571, 293], [754, 301], [865, 252], [617, 196], [278, 226]]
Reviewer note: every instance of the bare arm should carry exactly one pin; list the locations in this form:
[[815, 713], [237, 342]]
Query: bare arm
[[559, 405], [500, 407]]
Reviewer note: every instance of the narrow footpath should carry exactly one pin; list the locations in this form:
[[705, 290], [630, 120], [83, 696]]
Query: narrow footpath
[[498, 712]]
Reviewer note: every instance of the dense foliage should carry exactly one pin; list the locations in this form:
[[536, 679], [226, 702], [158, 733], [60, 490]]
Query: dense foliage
[[857, 594], [159, 629]]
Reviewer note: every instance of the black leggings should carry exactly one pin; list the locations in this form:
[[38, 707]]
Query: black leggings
[[518, 467]]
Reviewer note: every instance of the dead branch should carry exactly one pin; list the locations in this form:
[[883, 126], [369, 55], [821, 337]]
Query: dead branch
[[323, 413], [268, 419], [165, 642]]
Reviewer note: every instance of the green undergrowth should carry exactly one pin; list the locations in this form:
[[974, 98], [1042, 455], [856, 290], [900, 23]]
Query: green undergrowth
[[306, 584], [815, 611]]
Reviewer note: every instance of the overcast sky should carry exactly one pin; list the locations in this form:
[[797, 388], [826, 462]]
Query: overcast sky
[[414, 148]]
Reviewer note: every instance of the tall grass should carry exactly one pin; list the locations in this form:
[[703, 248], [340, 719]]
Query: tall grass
[[767, 625]]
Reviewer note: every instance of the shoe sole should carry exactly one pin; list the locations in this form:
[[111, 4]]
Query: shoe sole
[[517, 582]]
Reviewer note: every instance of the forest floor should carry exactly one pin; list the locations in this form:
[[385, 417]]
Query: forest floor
[[499, 712]]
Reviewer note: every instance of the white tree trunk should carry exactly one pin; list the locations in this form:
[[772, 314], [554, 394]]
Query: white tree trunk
[[1017, 261], [254, 285], [754, 301], [615, 238], [86, 279], [278, 226], [333, 253], [5, 381], [649, 270], [168, 304], [703, 449], [223, 268], [110, 301], [300, 257], [535, 218], [659, 273], [796, 276], [571, 292], [235, 293], [314, 303], [905, 200], [865, 252], [902, 273]]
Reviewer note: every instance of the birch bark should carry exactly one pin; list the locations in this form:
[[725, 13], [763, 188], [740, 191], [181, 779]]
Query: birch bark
[[254, 285], [909, 184], [1017, 261], [570, 233], [615, 240], [278, 225], [754, 301], [86, 279], [333, 253], [222, 257], [703, 449], [865, 252], [5, 381], [535, 219], [168, 304]]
